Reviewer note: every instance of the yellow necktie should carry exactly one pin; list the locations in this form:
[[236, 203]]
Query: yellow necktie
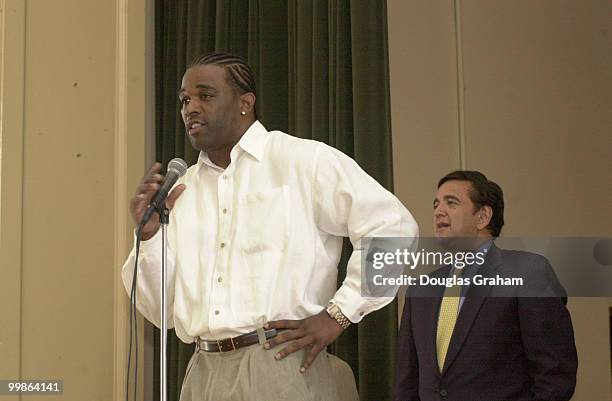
[[449, 309]]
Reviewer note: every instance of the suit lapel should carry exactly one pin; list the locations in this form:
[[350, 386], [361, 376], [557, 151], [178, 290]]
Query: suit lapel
[[471, 306]]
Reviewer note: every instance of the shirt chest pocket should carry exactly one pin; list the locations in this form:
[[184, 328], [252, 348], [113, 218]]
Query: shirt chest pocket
[[264, 220]]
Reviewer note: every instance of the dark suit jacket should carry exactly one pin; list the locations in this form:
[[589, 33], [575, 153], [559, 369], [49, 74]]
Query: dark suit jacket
[[511, 348]]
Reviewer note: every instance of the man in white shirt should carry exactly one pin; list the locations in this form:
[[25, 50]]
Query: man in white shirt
[[255, 236]]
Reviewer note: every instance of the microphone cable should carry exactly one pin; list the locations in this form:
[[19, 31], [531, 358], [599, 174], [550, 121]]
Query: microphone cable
[[133, 324]]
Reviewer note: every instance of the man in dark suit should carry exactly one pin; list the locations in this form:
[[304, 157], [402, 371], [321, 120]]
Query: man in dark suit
[[483, 345]]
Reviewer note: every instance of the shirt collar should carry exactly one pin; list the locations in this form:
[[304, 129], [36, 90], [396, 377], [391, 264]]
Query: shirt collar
[[252, 141], [485, 246]]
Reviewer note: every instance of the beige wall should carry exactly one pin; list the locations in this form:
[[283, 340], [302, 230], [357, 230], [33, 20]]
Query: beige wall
[[73, 108], [534, 115]]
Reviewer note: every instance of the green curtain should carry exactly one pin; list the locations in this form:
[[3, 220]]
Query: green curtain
[[322, 73]]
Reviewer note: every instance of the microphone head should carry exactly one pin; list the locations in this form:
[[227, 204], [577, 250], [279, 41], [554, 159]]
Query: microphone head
[[178, 165]]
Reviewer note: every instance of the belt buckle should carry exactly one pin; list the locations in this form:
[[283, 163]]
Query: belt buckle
[[219, 342]]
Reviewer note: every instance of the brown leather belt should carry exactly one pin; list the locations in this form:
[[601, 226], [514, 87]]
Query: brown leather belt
[[230, 344]]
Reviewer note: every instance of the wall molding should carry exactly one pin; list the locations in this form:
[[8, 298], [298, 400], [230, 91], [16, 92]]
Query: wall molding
[[134, 141], [12, 125], [460, 82]]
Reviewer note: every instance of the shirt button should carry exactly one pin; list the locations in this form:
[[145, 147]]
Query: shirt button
[[443, 393], [222, 245], [225, 176], [220, 279], [361, 313], [216, 312], [224, 210]]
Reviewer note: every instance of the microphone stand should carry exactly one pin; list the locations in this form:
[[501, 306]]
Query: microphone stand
[[163, 338]]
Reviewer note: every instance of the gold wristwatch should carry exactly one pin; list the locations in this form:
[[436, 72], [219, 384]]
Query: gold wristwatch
[[335, 313]]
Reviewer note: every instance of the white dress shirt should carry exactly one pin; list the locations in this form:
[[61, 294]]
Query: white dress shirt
[[261, 240]]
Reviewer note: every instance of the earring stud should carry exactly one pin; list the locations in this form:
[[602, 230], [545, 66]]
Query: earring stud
[[243, 113]]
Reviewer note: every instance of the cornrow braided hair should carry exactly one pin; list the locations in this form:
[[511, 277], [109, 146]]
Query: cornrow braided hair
[[239, 73]]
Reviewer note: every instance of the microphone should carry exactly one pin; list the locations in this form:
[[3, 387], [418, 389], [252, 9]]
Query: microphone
[[176, 169]]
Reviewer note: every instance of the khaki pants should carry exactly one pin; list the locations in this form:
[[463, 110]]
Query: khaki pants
[[252, 374]]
